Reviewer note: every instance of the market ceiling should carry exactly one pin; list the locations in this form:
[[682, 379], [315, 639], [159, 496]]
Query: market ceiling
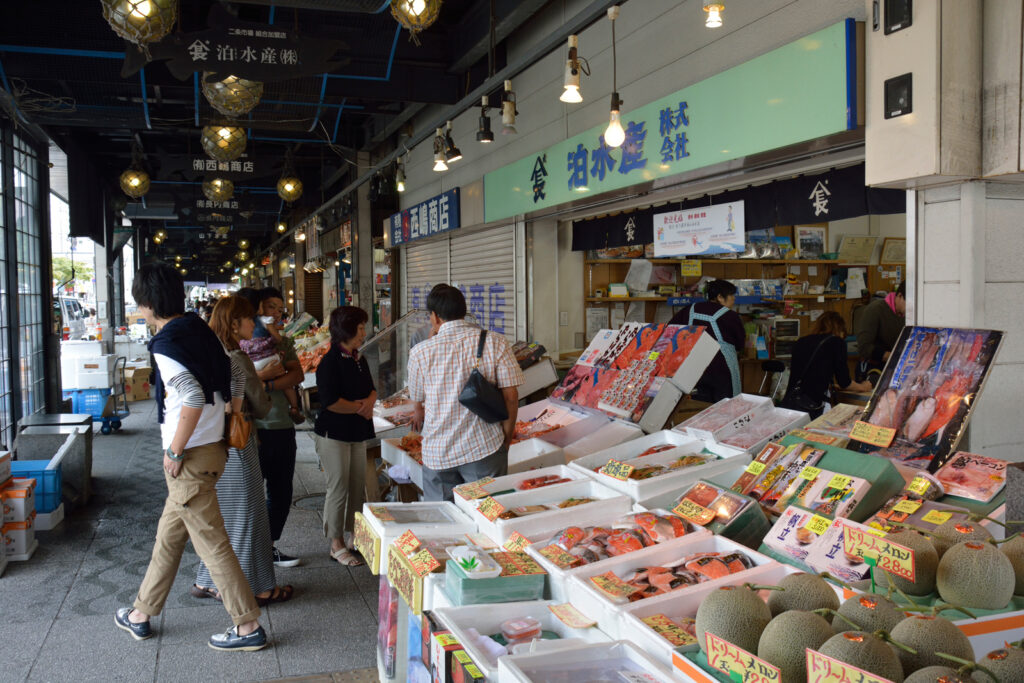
[[357, 80]]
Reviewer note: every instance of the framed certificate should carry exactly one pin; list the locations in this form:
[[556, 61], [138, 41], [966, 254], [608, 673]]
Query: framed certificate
[[894, 250], [857, 248]]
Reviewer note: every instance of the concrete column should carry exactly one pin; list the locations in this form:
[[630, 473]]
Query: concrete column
[[362, 246]]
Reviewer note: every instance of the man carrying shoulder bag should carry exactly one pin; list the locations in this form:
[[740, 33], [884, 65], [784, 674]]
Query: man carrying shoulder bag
[[458, 445]]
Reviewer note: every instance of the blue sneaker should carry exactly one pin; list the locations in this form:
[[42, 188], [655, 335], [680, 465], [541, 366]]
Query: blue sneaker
[[140, 631], [230, 640]]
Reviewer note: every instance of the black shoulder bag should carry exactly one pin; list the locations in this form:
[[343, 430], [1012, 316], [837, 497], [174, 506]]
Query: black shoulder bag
[[479, 396], [795, 398]]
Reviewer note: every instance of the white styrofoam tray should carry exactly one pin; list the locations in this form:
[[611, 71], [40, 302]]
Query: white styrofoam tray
[[487, 621], [760, 403], [724, 478], [533, 453], [605, 436], [787, 421], [576, 422], [512, 481], [391, 453], [449, 522], [642, 489], [558, 578], [538, 526], [558, 665], [585, 596]]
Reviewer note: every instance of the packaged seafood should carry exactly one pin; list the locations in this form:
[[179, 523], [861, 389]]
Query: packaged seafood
[[775, 479], [523, 511], [542, 481], [827, 555], [813, 489], [720, 415], [628, 534], [722, 505], [767, 425], [674, 346], [527, 353], [573, 502], [768, 455], [691, 570], [973, 476], [790, 535]]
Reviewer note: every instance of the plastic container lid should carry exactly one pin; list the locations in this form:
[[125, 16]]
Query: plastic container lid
[[473, 563], [520, 629]]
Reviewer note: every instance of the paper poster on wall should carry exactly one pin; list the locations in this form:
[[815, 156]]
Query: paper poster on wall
[[597, 320], [618, 315], [700, 232], [856, 282]]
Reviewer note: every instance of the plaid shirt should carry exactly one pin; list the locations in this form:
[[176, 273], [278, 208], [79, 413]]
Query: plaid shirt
[[438, 369]]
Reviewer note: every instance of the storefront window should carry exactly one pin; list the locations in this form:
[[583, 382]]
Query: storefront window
[[5, 361], [27, 238]]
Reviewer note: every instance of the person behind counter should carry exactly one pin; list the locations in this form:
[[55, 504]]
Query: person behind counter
[[817, 359], [877, 327], [721, 379]]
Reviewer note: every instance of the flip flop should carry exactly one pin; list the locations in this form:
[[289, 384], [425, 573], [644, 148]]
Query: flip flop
[[202, 593], [346, 557], [279, 594]]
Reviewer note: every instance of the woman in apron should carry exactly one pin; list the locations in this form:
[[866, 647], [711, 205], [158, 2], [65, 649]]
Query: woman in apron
[[722, 377]]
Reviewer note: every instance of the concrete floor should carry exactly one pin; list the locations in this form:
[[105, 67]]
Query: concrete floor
[[56, 610]]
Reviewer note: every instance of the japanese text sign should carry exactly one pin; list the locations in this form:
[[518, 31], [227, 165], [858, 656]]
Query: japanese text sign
[[737, 663], [434, 216], [474, 489], [516, 542], [407, 544], [694, 512], [570, 616], [701, 231], [669, 630], [824, 669], [872, 434], [617, 470], [892, 557], [558, 556], [491, 509], [612, 585]]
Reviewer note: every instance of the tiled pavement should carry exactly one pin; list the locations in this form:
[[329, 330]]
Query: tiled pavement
[[56, 610]]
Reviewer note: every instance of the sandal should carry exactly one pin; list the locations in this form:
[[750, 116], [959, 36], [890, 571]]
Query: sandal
[[346, 557], [200, 592], [279, 594], [296, 415]]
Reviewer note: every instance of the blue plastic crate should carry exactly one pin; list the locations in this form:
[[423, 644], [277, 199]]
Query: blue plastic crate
[[48, 482], [88, 401]]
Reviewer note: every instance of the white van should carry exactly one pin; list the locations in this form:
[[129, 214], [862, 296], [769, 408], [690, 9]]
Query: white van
[[69, 318]]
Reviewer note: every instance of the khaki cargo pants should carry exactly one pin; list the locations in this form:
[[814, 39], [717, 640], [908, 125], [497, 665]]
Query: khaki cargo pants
[[192, 511]]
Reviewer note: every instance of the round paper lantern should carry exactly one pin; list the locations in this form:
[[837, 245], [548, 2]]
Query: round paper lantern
[[223, 143], [135, 182]]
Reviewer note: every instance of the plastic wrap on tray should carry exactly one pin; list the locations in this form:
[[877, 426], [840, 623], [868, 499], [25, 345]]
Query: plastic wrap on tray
[[719, 503], [628, 534], [719, 415], [764, 426], [689, 570]]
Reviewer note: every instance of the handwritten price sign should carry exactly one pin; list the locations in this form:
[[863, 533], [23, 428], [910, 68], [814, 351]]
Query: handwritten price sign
[[739, 664], [694, 512], [872, 434], [516, 542], [423, 563], [907, 506], [570, 616], [823, 669], [936, 517], [669, 630], [491, 509], [892, 557], [382, 513], [823, 439], [473, 490], [558, 557], [612, 585], [840, 482], [617, 470], [919, 485], [810, 473], [407, 544], [818, 524]]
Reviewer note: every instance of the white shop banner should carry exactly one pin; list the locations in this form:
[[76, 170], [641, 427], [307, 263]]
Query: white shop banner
[[700, 231]]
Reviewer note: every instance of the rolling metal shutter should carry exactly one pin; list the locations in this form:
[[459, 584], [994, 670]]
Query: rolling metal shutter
[[424, 264], [483, 266]]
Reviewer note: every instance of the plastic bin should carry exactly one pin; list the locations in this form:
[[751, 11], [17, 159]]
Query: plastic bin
[[88, 401], [48, 482], [589, 662]]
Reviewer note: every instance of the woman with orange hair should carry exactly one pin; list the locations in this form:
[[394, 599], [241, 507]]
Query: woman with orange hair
[[817, 359]]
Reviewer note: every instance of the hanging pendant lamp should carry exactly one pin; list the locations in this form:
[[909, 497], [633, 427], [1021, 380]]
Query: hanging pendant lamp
[[218, 189], [223, 143], [141, 21], [232, 96], [134, 180], [415, 15], [289, 187]]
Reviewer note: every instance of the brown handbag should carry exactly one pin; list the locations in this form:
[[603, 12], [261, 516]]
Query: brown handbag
[[239, 429]]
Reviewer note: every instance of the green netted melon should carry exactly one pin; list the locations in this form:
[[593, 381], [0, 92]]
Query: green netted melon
[[929, 635], [936, 674], [1014, 549], [733, 613], [976, 574], [955, 531], [865, 651], [802, 592], [1006, 663], [926, 562], [784, 640], [870, 612]]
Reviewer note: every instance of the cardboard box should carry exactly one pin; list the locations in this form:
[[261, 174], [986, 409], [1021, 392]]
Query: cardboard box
[[442, 648], [5, 467], [19, 537], [136, 383], [18, 500]]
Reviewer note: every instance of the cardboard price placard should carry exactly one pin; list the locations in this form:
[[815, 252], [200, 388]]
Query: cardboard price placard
[[690, 267], [617, 470], [756, 468], [516, 542], [363, 539], [937, 517], [382, 513], [919, 485], [892, 557], [517, 564], [558, 557], [473, 490], [908, 506], [810, 473], [694, 512], [823, 669], [823, 439], [739, 664], [570, 616], [669, 630], [423, 563], [407, 544], [491, 509], [872, 434], [818, 524], [612, 585], [840, 481]]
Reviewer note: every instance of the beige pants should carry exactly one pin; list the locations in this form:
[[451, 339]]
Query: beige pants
[[345, 466], [192, 511]]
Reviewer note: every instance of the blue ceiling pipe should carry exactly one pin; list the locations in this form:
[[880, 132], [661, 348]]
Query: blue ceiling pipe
[[145, 98], [195, 91]]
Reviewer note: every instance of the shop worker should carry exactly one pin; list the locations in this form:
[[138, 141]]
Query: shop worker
[[198, 385], [721, 379], [458, 446], [878, 326]]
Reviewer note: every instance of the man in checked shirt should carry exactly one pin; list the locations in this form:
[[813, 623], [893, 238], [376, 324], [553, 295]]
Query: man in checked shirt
[[458, 446]]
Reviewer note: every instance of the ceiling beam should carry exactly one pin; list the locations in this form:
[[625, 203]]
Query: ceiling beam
[[509, 16]]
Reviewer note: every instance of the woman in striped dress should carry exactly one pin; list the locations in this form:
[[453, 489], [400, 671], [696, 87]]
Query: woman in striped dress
[[240, 491]]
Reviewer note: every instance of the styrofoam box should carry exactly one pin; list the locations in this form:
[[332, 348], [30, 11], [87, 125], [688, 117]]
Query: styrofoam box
[[607, 612], [487, 621], [606, 436], [669, 499], [5, 467], [512, 481], [77, 349], [533, 453], [681, 604], [391, 453], [537, 526], [456, 524], [697, 361], [558, 578], [577, 421], [642, 489], [434, 595], [788, 420], [760, 403], [546, 666]]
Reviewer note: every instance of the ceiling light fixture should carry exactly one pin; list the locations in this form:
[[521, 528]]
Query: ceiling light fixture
[[483, 133], [508, 110], [714, 10], [573, 66], [614, 136], [282, 227], [223, 143], [243, 244], [242, 255], [415, 15], [232, 96], [289, 187], [400, 175], [300, 235], [451, 152], [141, 21], [218, 189], [439, 163], [135, 181]]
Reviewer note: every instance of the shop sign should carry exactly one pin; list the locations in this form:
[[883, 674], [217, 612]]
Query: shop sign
[[211, 204], [434, 216], [487, 303], [700, 232], [892, 557], [210, 165], [737, 663], [801, 91]]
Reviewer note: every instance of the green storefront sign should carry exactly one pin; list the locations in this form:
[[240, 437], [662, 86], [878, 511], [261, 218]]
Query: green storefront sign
[[801, 91]]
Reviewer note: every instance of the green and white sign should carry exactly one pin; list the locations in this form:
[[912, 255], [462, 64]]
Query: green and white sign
[[801, 91]]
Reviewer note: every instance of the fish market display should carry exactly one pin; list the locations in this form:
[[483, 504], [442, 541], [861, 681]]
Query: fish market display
[[973, 476], [719, 504], [396, 400], [639, 347], [765, 425], [413, 445], [768, 455], [527, 510], [691, 570], [628, 534], [529, 430], [541, 482], [774, 480], [720, 414], [649, 471]]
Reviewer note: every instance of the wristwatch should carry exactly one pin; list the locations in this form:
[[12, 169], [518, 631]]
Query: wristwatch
[[176, 458]]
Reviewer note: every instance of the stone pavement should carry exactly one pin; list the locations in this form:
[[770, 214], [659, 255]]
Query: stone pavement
[[56, 610]]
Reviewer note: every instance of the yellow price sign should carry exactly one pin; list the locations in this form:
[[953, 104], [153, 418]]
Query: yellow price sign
[[733, 660], [937, 517], [407, 544], [570, 616], [872, 434], [892, 557], [617, 470], [919, 485], [669, 630], [818, 524], [613, 585], [558, 557], [756, 468], [694, 512], [381, 513], [423, 563], [810, 473], [907, 506], [824, 439], [690, 267], [824, 669], [516, 542], [654, 355], [491, 509], [473, 490], [840, 481]]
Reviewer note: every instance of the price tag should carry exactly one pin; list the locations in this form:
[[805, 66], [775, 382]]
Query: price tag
[[558, 557], [613, 585], [824, 669], [737, 663], [818, 524], [756, 468], [517, 564], [653, 355], [690, 267], [873, 434], [669, 630], [840, 481], [908, 506], [382, 513], [423, 563], [407, 544], [810, 473], [693, 512], [516, 542], [481, 541], [919, 485], [570, 616], [474, 489], [936, 517], [617, 470], [824, 439], [892, 557], [491, 509]]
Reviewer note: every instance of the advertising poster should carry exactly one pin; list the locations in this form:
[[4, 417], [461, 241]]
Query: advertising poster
[[701, 231], [927, 391]]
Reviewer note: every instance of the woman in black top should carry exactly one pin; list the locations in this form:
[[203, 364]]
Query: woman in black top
[[721, 379], [818, 358], [344, 424]]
